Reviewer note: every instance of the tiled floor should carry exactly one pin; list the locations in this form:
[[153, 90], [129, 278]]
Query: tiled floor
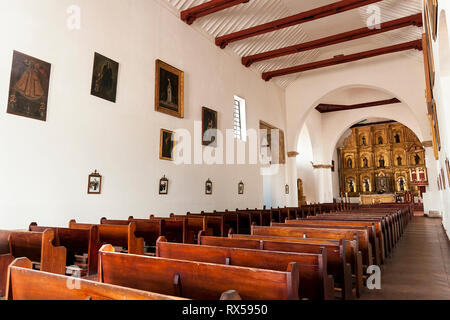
[[419, 267]]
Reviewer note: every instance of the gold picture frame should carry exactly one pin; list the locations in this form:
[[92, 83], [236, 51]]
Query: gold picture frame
[[433, 13], [166, 145], [169, 90]]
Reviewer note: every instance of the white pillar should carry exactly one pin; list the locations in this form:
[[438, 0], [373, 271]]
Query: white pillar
[[431, 198], [292, 197]]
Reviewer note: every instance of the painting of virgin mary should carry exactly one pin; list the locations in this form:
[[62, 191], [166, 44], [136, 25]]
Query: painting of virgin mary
[[29, 85]]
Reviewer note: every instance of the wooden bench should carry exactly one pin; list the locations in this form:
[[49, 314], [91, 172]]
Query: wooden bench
[[361, 236], [26, 284], [117, 235], [343, 259], [76, 241], [36, 246], [315, 284], [195, 280], [377, 224], [374, 241]]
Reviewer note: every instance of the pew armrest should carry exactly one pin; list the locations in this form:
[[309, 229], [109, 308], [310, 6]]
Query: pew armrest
[[347, 283], [329, 289], [5, 260]]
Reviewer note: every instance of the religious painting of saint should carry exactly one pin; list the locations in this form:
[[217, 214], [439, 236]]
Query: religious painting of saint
[[164, 186], [28, 88], [209, 127], [208, 187], [104, 78], [169, 93], [167, 145]]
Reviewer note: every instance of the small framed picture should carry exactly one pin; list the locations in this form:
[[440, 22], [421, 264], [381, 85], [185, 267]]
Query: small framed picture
[[164, 185], [169, 95], [286, 189], [95, 183], [241, 188], [208, 187], [167, 145]]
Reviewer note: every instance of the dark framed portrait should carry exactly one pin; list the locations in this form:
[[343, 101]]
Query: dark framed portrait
[[28, 87], [444, 185], [164, 185], [447, 165], [241, 188], [169, 93], [286, 189], [209, 127], [208, 187], [167, 145], [433, 12], [95, 183], [104, 78]]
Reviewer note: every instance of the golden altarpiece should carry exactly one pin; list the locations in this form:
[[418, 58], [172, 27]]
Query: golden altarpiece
[[379, 159]]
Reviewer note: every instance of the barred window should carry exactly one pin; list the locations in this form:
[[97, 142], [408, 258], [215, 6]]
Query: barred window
[[239, 118]]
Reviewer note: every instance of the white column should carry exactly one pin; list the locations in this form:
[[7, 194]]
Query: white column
[[432, 198], [292, 197]]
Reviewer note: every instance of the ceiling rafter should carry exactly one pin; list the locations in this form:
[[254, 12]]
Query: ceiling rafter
[[311, 15], [416, 44], [190, 15], [326, 108], [413, 20]]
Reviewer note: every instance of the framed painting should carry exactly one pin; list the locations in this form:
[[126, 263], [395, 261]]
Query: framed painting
[[241, 188], [286, 189], [433, 12], [104, 78], [95, 183], [272, 147], [208, 187], [167, 145], [209, 127], [28, 87], [428, 49], [444, 185], [164, 186], [169, 93], [447, 165]]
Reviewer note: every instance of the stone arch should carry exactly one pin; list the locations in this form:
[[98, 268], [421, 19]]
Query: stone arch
[[412, 123]]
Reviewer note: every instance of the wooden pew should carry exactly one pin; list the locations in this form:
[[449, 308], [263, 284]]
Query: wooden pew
[[5, 259], [387, 222], [117, 235], [214, 224], [76, 241], [193, 225], [195, 280], [24, 283], [343, 258], [361, 236], [373, 239], [38, 247], [315, 284], [376, 224]]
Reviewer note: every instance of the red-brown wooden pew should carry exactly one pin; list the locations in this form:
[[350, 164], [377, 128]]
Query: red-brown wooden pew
[[195, 280], [315, 283]]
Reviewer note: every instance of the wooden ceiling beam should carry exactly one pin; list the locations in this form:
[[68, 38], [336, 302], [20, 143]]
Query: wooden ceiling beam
[[326, 108], [314, 14], [416, 44], [413, 20], [192, 14]]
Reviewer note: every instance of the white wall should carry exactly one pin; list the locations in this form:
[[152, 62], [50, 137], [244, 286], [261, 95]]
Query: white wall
[[441, 50], [45, 165]]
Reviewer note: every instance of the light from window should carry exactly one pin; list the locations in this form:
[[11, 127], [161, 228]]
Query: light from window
[[239, 118]]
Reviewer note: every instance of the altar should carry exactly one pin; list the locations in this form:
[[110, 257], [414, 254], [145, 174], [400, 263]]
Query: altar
[[377, 198]]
